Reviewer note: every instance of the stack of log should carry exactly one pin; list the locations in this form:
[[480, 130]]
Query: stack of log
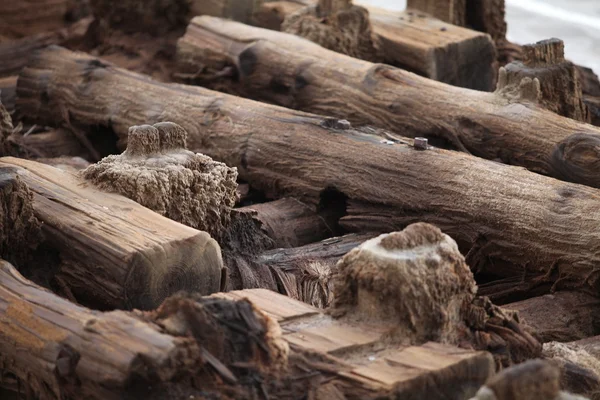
[[294, 199]]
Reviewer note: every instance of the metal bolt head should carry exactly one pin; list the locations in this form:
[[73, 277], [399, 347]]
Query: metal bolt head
[[420, 143]]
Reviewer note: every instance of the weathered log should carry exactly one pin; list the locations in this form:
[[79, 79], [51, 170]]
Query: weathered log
[[413, 41], [512, 215], [532, 380], [305, 273], [559, 87], [52, 143], [159, 16], [8, 92], [290, 223], [15, 54], [292, 72], [30, 17], [188, 348], [560, 317], [106, 250]]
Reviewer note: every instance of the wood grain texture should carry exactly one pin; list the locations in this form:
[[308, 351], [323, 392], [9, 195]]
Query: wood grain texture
[[29, 17], [114, 253], [289, 71], [365, 365], [505, 219], [290, 223], [414, 41], [185, 349], [451, 11]]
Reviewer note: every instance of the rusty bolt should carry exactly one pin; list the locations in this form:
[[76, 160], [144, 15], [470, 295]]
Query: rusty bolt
[[420, 143]]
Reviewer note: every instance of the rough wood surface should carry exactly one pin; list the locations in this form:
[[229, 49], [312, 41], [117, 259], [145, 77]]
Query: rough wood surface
[[416, 42], [559, 88], [160, 16], [15, 54], [186, 349], [8, 92], [112, 252], [305, 273], [366, 367], [561, 317], [505, 219], [293, 72], [29, 17], [290, 223], [451, 11]]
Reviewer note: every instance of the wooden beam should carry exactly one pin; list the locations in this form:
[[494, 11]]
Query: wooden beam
[[286, 70], [416, 42], [561, 316], [112, 252], [186, 348], [512, 215]]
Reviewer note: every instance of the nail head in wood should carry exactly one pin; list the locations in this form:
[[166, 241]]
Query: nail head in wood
[[420, 143]]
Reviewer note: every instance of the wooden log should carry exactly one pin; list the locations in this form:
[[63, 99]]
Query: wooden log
[[185, 349], [289, 71], [15, 54], [30, 17], [8, 92], [451, 11], [560, 317], [305, 273], [290, 223], [157, 17], [109, 251], [559, 91], [416, 42], [512, 214]]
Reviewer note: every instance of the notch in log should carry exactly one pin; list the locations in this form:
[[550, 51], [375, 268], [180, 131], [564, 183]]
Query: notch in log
[[111, 252], [557, 87]]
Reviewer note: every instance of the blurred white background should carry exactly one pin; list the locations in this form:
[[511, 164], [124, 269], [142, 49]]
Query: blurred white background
[[576, 22]]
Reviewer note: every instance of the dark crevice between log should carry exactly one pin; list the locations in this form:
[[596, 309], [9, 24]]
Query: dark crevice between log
[[332, 208]]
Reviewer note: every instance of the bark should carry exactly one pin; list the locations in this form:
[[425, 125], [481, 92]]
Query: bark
[[451, 11], [290, 223], [15, 54], [30, 17], [505, 219], [186, 348], [292, 72], [560, 317], [107, 251], [559, 88], [413, 41]]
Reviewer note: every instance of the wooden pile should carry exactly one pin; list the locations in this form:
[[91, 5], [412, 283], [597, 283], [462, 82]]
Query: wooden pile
[[249, 199]]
